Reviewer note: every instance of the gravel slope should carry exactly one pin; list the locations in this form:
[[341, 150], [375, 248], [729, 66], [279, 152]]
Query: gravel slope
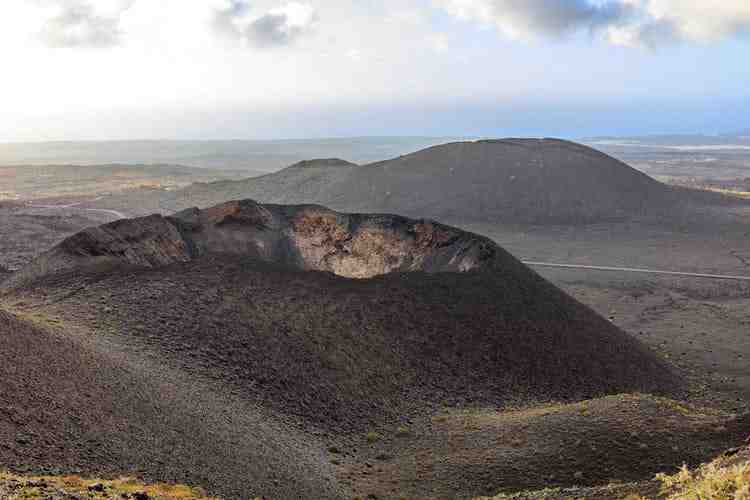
[[92, 405]]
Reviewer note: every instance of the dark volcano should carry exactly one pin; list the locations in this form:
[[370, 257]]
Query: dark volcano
[[510, 180], [240, 328]]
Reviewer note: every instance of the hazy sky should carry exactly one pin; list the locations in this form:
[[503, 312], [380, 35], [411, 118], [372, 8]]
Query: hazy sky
[[126, 69]]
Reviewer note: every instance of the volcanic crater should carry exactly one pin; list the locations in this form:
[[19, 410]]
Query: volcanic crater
[[288, 331], [305, 237]]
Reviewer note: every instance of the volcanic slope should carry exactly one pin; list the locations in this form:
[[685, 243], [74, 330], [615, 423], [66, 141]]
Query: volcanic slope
[[231, 348], [71, 404], [510, 180]]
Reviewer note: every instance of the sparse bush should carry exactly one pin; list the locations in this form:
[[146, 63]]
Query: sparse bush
[[372, 437], [708, 482], [78, 487]]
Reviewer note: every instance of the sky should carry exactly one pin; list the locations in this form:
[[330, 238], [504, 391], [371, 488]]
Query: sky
[[264, 69]]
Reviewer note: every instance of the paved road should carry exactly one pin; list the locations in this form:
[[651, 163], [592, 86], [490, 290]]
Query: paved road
[[637, 270]]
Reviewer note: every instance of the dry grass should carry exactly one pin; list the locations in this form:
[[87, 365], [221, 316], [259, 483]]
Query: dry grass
[[731, 192], [15, 487], [712, 481]]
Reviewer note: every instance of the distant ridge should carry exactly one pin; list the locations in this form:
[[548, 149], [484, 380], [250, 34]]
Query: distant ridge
[[324, 162]]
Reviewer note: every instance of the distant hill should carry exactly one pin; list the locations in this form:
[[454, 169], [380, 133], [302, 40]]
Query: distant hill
[[510, 180]]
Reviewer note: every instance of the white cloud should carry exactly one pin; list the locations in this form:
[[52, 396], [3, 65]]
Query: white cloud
[[622, 22], [278, 27], [524, 19], [81, 23]]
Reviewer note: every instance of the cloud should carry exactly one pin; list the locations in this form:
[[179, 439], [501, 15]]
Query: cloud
[[525, 19], [78, 23], [635, 23], [277, 27]]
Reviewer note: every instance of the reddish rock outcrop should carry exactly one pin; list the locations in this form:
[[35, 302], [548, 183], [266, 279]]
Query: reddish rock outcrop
[[307, 237]]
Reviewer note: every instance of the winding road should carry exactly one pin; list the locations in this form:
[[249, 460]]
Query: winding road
[[637, 270]]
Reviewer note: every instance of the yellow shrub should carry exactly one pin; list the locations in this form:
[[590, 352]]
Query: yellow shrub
[[709, 482]]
